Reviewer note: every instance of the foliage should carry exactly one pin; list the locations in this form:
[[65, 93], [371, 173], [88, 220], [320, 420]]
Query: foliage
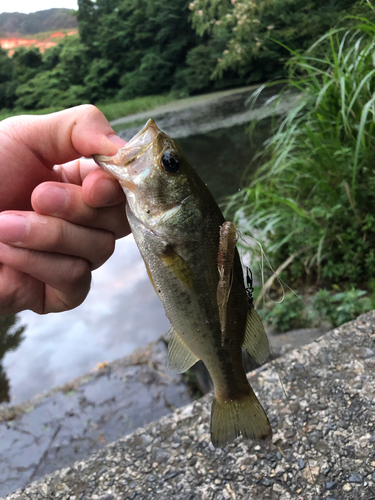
[[312, 198], [253, 28], [141, 44], [7, 83], [338, 308], [61, 80], [11, 335], [285, 315]]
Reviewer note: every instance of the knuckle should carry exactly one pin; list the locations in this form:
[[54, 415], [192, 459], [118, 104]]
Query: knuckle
[[90, 110], [105, 248], [59, 236], [79, 275]]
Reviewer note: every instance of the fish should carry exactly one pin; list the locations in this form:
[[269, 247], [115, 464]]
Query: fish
[[191, 258]]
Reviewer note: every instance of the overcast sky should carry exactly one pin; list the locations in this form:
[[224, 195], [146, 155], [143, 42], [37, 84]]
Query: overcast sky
[[27, 6]]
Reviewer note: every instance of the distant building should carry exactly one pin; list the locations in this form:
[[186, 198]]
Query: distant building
[[12, 43]]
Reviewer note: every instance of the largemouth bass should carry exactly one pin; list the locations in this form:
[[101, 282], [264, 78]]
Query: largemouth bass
[[192, 261]]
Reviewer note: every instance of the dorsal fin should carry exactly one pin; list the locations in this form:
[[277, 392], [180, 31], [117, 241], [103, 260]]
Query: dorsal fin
[[180, 357]]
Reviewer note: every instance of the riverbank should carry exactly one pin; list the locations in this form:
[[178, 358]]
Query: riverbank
[[70, 422], [323, 442], [205, 113]]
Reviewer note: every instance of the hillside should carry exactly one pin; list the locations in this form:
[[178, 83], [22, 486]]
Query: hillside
[[16, 23]]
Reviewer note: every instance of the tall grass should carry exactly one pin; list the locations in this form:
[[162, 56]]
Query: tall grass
[[312, 202]]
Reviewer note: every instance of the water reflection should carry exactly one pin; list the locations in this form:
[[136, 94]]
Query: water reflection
[[11, 337], [121, 313], [223, 157]]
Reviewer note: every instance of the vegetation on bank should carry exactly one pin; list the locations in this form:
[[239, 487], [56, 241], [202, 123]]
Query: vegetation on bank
[[111, 110], [311, 202]]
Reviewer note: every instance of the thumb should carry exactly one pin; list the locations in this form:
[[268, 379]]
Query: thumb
[[65, 135]]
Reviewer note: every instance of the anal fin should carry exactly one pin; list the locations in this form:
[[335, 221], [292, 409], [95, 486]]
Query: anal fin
[[256, 341], [180, 357]]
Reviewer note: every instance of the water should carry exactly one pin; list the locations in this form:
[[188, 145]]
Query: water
[[122, 311]]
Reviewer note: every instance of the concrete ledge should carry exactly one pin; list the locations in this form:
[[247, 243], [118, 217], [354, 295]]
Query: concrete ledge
[[323, 444]]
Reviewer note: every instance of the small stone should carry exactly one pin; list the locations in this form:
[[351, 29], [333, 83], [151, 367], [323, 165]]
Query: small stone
[[331, 485], [355, 478], [367, 353], [218, 481], [277, 488], [301, 463], [265, 481], [347, 487]]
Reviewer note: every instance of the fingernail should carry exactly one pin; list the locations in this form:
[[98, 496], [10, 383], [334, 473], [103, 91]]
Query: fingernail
[[117, 140], [13, 228], [53, 200]]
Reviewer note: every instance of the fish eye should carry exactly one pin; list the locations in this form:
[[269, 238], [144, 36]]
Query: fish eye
[[170, 162]]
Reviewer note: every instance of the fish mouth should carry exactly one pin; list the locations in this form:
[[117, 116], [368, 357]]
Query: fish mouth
[[125, 158]]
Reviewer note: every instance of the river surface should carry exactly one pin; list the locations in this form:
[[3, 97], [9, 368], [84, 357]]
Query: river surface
[[122, 311]]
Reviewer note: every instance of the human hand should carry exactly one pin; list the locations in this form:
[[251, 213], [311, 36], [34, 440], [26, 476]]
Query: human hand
[[57, 222]]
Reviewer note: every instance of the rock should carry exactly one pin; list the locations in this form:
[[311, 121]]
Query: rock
[[355, 478]]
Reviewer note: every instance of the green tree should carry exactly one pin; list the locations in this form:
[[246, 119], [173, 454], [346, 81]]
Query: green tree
[[11, 336], [61, 83], [7, 81], [27, 64], [140, 43], [255, 27]]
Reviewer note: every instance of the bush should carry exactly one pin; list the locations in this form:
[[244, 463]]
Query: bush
[[338, 308], [312, 200], [335, 308], [285, 315]]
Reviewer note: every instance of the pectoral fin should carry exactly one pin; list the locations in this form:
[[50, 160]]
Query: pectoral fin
[[256, 341], [178, 266], [180, 357]]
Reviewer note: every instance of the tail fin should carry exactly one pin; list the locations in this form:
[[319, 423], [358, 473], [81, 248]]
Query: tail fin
[[232, 418]]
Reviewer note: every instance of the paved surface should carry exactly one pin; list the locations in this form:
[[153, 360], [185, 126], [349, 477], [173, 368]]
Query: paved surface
[[54, 430], [323, 445]]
